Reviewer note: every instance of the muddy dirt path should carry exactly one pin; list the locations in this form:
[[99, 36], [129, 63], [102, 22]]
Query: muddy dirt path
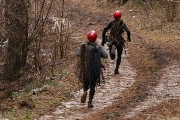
[[105, 94], [168, 89]]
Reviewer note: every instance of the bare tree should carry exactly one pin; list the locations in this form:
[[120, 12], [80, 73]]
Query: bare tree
[[16, 17], [29, 27]]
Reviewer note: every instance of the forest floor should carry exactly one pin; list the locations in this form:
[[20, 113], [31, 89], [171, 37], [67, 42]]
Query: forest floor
[[148, 86]]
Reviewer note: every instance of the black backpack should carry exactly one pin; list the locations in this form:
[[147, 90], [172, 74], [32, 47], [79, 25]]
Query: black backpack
[[116, 32]]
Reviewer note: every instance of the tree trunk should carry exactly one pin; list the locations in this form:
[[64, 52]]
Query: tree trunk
[[16, 16]]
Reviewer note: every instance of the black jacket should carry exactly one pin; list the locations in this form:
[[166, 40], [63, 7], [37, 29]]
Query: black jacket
[[109, 27]]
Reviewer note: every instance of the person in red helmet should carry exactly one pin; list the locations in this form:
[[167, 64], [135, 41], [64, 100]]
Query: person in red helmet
[[115, 40], [90, 54]]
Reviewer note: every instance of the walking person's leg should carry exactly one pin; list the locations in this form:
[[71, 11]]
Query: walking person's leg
[[118, 61], [85, 89], [91, 94], [112, 56]]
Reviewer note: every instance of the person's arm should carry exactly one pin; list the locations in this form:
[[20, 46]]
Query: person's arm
[[128, 32], [103, 52], [104, 33]]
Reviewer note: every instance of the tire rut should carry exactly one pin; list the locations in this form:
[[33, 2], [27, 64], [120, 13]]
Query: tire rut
[[167, 89]]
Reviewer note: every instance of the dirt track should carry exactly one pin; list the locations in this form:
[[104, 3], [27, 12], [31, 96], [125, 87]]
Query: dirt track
[[150, 99], [139, 107], [105, 94]]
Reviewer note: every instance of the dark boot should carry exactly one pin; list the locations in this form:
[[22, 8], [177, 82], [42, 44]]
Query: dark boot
[[116, 71], [83, 98], [90, 105]]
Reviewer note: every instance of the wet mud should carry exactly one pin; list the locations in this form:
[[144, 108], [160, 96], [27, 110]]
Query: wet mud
[[167, 89]]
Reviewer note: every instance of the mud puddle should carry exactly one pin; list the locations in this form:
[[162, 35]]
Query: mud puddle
[[104, 96], [168, 89]]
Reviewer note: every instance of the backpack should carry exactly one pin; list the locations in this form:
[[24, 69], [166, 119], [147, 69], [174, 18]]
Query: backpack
[[116, 32], [89, 64]]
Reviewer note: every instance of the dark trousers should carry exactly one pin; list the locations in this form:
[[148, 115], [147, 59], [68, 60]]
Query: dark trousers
[[90, 85], [119, 53]]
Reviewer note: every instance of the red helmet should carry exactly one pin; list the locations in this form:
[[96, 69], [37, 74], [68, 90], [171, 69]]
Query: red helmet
[[117, 14], [92, 36]]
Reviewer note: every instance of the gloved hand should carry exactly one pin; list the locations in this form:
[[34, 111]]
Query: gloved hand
[[108, 43]]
